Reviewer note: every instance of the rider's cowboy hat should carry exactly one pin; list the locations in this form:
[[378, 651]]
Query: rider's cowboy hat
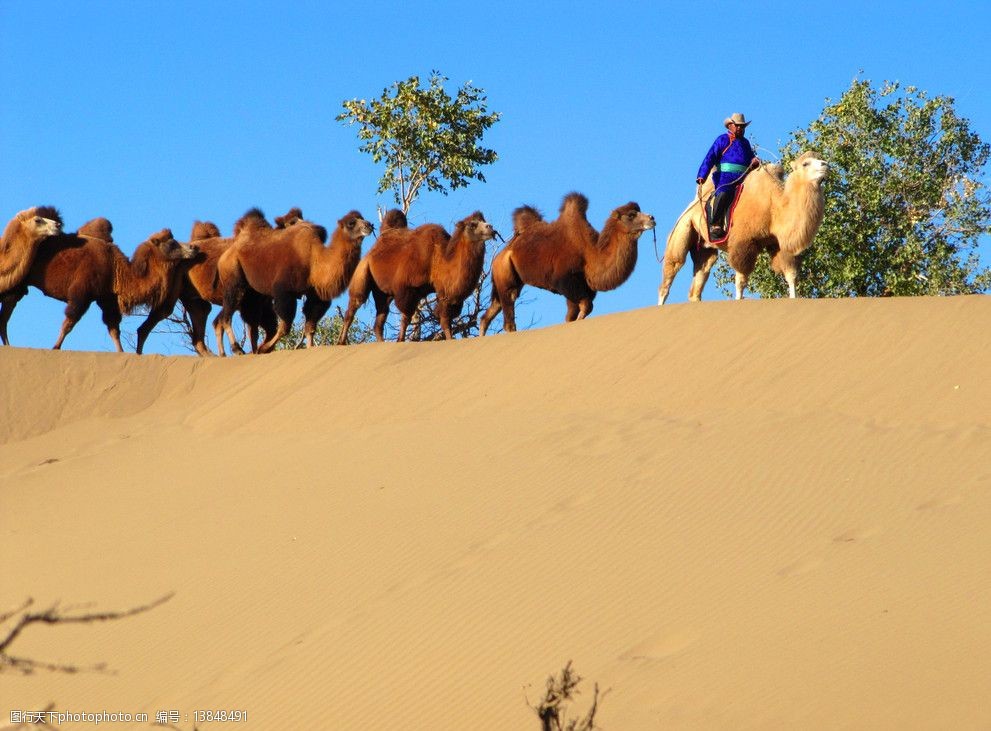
[[737, 119]]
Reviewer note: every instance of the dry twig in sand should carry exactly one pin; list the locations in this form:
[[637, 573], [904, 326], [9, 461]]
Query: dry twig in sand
[[55, 615]]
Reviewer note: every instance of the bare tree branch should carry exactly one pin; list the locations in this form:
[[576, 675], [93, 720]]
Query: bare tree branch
[[54, 615]]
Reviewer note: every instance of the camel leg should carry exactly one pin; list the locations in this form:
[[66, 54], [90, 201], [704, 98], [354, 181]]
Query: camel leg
[[267, 320], [313, 309], [349, 314], [572, 313], [494, 308], [790, 278], [382, 301], [682, 240], [234, 294], [406, 314], [361, 287], [508, 311], [672, 266], [741, 284], [285, 310], [406, 302], [447, 312], [702, 262], [112, 318], [198, 310], [154, 317], [444, 315], [256, 311], [74, 311], [787, 265], [7, 306], [506, 286], [403, 326], [579, 296], [223, 325], [507, 298], [251, 328]]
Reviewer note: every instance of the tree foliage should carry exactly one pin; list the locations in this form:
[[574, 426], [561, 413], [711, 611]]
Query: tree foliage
[[905, 201], [327, 332], [427, 139]]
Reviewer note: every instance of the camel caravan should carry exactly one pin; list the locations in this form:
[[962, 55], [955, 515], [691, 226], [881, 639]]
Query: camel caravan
[[263, 269]]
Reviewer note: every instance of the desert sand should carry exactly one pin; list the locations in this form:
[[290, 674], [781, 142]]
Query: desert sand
[[766, 514]]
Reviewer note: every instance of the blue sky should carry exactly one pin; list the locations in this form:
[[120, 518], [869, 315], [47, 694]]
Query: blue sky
[[155, 114]]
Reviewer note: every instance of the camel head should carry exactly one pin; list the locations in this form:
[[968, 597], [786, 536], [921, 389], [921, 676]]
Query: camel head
[[354, 227], [292, 217], [204, 230], [170, 249], [476, 228], [809, 168], [40, 222], [632, 220]]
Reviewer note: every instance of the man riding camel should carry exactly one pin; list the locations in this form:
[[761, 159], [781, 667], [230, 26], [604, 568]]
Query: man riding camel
[[732, 157]]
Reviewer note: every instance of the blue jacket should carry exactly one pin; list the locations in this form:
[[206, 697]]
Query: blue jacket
[[740, 153]]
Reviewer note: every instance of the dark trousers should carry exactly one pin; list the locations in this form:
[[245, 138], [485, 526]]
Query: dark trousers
[[719, 207]]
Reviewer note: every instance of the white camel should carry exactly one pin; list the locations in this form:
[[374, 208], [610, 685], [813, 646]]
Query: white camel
[[773, 214]]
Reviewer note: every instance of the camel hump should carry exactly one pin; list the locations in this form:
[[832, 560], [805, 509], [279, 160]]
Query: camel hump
[[97, 228], [394, 218], [253, 219], [574, 203], [293, 215], [776, 170], [320, 231], [204, 230], [770, 177], [525, 216], [432, 231]]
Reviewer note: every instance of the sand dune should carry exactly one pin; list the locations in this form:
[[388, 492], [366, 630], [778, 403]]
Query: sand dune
[[768, 514]]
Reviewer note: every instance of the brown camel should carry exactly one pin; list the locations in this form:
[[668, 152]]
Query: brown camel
[[80, 269], [772, 214], [21, 238], [201, 289], [566, 256], [288, 263], [406, 265]]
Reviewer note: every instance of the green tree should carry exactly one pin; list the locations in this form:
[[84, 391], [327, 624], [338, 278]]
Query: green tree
[[905, 201], [427, 139], [327, 332]]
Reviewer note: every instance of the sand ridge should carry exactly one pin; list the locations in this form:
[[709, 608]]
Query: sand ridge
[[767, 514]]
